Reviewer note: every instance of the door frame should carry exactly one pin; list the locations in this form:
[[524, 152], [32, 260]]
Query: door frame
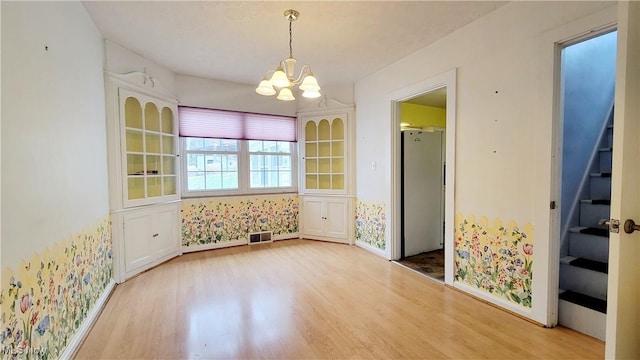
[[448, 80], [552, 43], [558, 229], [558, 136]]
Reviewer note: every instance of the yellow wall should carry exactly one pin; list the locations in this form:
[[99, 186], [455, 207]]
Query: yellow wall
[[422, 116]]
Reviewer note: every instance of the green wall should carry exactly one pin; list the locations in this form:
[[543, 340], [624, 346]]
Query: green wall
[[422, 116]]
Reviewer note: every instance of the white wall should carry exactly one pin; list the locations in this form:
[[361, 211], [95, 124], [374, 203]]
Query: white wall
[[217, 94], [503, 122], [54, 160], [122, 61], [223, 95], [333, 96]]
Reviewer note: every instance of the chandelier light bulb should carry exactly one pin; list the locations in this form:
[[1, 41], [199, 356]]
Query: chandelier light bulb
[[265, 88], [311, 94], [285, 94], [279, 78], [310, 83]]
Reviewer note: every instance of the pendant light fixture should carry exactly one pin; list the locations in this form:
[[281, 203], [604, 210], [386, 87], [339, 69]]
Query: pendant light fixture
[[282, 79]]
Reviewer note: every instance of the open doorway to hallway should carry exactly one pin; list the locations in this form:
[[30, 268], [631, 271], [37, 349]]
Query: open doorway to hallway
[[423, 158]]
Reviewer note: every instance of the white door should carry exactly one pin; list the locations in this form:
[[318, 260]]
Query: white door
[[137, 238], [312, 217], [422, 185], [623, 302], [336, 219], [163, 235]]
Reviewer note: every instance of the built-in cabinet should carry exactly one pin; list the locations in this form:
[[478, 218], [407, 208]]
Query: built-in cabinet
[[326, 218], [143, 174], [149, 237], [326, 175]]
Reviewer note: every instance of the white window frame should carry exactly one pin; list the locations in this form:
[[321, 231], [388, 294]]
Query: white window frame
[[243, 174]]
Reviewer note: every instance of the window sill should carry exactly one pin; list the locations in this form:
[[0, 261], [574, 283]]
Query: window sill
[[193, 195]]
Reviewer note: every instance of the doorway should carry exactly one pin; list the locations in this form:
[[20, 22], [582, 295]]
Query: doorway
[[423, 154], [444, 87], [587, 83]]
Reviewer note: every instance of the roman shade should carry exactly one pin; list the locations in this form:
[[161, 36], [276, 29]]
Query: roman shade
[[224, 124]]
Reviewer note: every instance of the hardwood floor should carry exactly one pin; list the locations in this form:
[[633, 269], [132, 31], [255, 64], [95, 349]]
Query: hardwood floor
[[300, 299]]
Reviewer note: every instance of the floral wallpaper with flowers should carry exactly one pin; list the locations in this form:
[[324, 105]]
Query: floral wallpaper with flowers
[[219, 220], [371, 224], [495, 258], [45, 300]]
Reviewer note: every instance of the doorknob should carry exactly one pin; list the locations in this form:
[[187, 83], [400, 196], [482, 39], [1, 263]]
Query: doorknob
[[630, 226]]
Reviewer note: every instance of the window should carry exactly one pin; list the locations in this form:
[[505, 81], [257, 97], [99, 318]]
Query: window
[[228, 152], [212, 164], [270, 164]]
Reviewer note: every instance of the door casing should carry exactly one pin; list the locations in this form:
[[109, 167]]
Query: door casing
[[560, 38], [448, 80]]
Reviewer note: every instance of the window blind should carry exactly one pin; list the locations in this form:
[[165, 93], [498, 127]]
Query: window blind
[[224, 124]]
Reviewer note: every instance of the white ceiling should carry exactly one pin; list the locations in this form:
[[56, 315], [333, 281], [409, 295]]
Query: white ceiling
[[435, 98], [239, 41]]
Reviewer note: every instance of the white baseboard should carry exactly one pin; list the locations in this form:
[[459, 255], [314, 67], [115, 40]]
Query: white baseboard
[[76, 341], [495, 300], [372, 249], [286, 236], [224, 244], [188, 249]]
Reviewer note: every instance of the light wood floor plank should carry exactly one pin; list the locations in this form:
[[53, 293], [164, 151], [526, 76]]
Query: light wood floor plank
[[301, 299]]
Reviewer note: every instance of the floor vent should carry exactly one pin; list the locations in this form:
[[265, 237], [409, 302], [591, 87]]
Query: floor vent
[[260, 237]]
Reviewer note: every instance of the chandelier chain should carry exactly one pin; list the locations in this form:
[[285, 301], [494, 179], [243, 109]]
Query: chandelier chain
[[290, 40]]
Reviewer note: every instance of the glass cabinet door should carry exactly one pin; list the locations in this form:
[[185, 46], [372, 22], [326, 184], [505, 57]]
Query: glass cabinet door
[[324, 154], [169, 174], [150, 149]]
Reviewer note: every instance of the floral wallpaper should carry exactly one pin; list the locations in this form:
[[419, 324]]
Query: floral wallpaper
[[371, 224], [218, 220], [45, 300], [495, 258]]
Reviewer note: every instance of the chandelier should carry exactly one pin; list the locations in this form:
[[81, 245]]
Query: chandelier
[[283, 77]]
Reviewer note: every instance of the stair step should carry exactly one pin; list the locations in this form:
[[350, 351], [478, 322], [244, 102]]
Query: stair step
[[587, 245], [591, 213], [597, 201], [605, 159], [610, 135], [585, 300], [582, 319], [604, 232], [600, 186], [589, 264], [582, 279]]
